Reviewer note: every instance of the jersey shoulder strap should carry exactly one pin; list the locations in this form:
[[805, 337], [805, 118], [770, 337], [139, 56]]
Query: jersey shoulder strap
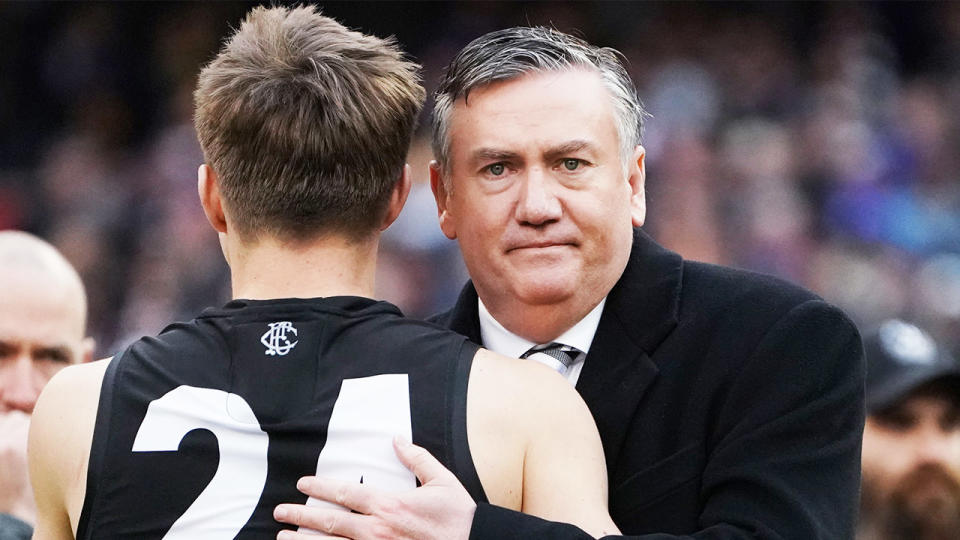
[[461, 460]]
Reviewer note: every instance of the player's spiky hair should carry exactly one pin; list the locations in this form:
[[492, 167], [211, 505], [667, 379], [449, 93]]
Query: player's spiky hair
[[306, 123]]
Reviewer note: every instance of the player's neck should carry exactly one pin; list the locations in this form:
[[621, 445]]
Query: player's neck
[[330, 266]]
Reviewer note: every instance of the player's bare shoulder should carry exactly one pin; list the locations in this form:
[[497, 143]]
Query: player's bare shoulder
[[71, 389], [61, 432], [509, 402], [523, 408], [67, 407], [524, 390]]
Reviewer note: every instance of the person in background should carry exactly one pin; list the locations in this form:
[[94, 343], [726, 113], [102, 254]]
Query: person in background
[[43, 315], [911, 441]]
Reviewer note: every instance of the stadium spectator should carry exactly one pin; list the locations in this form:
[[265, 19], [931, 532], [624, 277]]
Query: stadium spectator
[[911, 441], [43, 311]]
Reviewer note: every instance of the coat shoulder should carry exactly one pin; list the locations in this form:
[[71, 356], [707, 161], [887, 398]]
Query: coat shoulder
[[707, 286], [729, 305]]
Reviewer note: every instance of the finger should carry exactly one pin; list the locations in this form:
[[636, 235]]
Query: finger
[[419, 461], [328, 520], [352, 495], [296, 535]]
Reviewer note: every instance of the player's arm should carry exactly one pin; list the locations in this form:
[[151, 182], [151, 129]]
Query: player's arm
[[525, 422], [61, 430], [564, 473]]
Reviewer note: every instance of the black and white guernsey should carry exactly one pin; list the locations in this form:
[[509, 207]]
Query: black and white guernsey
[[204, 429]]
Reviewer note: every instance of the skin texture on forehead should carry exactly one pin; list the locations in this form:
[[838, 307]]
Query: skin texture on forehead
[[39, 309], [40, 283], [566, 89]]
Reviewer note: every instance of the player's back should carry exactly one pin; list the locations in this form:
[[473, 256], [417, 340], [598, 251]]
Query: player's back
[[202, 430]]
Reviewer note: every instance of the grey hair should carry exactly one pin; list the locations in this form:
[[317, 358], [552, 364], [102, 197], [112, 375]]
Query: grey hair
[[511, 53]]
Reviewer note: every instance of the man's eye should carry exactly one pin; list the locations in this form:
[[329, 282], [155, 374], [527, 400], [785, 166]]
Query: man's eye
[[571, 164], [896, 420], [496, 169], [951, 420], [52, 355]]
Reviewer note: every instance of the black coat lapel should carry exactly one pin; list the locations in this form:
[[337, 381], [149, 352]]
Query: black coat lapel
[[464, 318], [641, 310], [614, 377]]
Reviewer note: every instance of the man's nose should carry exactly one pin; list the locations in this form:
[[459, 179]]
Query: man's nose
[[19, 388], [537, 204]]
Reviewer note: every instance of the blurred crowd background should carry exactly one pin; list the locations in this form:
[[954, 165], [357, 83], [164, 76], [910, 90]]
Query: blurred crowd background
[[819, 142]]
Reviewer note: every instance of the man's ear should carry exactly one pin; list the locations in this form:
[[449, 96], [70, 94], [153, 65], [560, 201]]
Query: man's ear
[[636, 175], [209, 190], [442, 196], [86, 350], [397, 198]]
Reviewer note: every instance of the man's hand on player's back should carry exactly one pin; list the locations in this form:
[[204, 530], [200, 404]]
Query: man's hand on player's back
[[440, 508], [535, 448]]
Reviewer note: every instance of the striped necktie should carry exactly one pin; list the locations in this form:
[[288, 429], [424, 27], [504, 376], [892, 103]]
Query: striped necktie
[[556, 356]]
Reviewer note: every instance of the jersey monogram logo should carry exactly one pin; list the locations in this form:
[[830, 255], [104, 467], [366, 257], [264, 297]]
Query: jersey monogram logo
[[276, 341]]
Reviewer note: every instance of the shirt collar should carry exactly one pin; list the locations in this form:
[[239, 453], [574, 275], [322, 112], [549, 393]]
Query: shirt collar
[[500, 340]]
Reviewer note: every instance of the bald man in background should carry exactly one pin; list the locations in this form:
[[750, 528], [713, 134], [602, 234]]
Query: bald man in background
[[43, 313]]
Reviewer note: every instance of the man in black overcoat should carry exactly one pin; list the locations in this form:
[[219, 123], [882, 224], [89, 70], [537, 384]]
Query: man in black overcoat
[[730, 404]]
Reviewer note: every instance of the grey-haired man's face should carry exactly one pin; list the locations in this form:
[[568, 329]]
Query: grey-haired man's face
[[540, 202]]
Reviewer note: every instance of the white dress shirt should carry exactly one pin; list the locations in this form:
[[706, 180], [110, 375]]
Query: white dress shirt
[[500, 340]]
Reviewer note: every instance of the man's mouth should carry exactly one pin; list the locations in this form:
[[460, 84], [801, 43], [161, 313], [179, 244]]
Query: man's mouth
[[540, 245]]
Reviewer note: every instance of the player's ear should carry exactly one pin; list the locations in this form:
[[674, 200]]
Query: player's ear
[[398, 197], [636, 175], [441, 192], [86, 350], [209, 190]]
